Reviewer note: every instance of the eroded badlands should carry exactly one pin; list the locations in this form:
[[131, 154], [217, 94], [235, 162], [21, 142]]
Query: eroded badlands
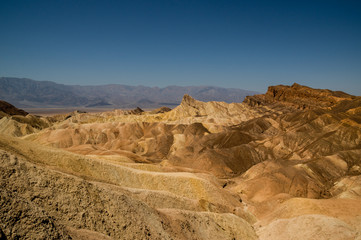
[[282, 165]]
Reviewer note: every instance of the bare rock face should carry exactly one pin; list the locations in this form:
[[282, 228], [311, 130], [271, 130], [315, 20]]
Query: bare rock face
[[160, 110], [299, 96], [18, 216], [21, 220], [135, 111], [9, 109]]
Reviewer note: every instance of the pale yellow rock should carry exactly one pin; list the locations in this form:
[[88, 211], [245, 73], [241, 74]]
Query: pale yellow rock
[[307, 227]]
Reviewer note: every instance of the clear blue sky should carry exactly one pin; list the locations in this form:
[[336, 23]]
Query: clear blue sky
[[241, 44]]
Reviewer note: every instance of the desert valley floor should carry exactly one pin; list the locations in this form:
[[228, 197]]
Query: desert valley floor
[[282, 165]]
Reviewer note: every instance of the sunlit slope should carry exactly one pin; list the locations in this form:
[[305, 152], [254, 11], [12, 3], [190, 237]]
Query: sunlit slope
[[77, 191]]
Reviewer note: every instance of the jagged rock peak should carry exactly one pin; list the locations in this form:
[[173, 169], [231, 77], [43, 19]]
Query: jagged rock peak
[[135, 111], [188, 100], [282, 92], [299, 96], [160, 110], [11, 109]]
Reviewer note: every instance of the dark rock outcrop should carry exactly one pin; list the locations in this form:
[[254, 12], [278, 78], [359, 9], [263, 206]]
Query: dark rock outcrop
[[298, 96], [10, 109]]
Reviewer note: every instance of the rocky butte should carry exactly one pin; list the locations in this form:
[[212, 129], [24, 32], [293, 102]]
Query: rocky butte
[[281, 165]]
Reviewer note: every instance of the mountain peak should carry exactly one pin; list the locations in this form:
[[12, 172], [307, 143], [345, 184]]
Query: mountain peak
[[296, 85], [188, 100]]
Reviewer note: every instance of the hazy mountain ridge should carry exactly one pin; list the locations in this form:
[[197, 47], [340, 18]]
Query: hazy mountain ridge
[[24, 92]]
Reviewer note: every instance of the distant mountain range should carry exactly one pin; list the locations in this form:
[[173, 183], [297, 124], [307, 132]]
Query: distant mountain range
[[28, 93]]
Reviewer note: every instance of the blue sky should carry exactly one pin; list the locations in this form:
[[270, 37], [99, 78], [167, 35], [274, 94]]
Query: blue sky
[[237, 44]]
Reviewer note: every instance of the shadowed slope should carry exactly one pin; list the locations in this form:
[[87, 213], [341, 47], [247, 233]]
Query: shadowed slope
[[9, 109]]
